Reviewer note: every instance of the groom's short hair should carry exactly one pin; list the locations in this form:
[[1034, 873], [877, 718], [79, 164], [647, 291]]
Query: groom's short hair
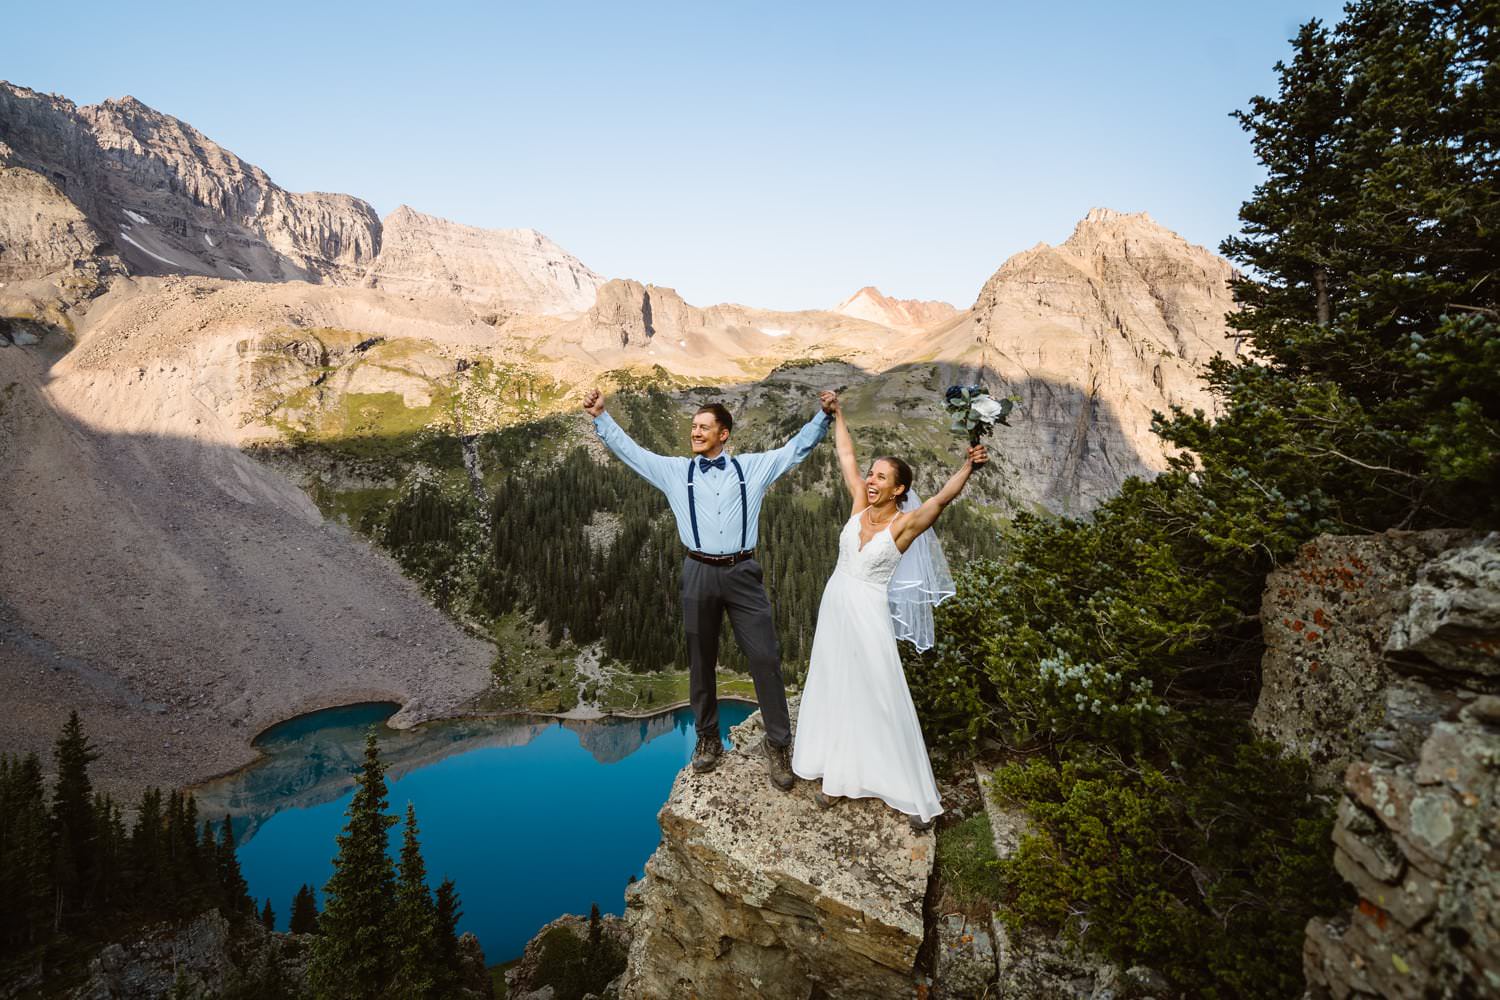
[[721, 414]]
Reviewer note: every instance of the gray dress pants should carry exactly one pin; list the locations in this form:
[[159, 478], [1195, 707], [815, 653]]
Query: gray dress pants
[[707, 593]]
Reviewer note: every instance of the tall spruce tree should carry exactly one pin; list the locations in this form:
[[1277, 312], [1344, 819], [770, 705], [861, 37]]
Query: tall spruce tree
[[25, 853], [304, 919], [351, 955], [148, 852], [415, 925], [234, 891], [268, 916], [448, 911], [1375, 395], [73, 822]]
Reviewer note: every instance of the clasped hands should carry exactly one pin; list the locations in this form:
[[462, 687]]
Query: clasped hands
[[593, 402]]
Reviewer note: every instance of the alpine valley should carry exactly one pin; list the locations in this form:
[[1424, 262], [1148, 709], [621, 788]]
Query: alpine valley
[[213, 387]]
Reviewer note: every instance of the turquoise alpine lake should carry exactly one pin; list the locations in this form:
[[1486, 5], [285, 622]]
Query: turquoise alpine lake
[[531, 817]]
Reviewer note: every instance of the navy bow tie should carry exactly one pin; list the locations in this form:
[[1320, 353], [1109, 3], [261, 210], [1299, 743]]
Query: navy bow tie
[[704, 464]]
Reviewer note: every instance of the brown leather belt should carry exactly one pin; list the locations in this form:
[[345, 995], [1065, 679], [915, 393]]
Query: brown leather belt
[[729, 560]]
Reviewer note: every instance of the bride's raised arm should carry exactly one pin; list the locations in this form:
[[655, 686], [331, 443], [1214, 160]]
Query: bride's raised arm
[[921, 519], [848, 465]]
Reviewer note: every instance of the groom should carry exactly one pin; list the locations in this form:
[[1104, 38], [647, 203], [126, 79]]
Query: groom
[[716, 498]]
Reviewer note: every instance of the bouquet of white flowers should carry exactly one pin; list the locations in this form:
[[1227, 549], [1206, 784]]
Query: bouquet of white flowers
[[975, 412]]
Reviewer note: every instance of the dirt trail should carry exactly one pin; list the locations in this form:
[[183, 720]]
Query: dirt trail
[[177, 593]]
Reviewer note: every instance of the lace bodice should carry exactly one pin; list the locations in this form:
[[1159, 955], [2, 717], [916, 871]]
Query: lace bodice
[[876, 563]]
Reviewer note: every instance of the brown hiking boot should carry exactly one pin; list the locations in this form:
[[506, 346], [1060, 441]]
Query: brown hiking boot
[[706, 753], [779, 765]]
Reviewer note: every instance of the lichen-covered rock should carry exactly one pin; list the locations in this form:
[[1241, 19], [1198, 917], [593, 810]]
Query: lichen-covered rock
[[1380, 666], [1451, 625], [755, 891], [1328, 692], [965, 956], [1420, 843]]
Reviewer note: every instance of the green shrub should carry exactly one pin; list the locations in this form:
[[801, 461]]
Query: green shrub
[[1206, 871]]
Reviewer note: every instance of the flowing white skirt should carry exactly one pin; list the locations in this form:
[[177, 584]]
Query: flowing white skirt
[[857, 728]]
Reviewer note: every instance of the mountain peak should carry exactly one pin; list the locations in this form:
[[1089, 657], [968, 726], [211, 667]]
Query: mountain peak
[[1110, 215], [870, 304]]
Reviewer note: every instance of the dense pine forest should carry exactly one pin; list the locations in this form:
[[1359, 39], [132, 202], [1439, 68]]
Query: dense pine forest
[[72, 873], [575, 540], [74, 876]]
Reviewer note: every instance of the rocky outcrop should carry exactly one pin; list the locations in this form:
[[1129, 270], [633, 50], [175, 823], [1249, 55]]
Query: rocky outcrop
[[504, 270], [525, 978], [869, 304], [1420, 843], [1330, 691], [41, 231], [171, 200], [754, 891], [206, 953], [1383, 668]]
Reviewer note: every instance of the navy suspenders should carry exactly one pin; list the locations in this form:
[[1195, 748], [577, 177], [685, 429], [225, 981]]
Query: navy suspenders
[[744, 504]]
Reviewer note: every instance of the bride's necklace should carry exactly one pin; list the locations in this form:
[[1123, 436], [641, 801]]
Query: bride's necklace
[[880, 524]]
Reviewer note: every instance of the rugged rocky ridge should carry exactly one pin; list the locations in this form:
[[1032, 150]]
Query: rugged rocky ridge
[[1383, 668], [1092, 336], [754, 891], [869, 304], [48, 234], [172, 201], [499, 270]]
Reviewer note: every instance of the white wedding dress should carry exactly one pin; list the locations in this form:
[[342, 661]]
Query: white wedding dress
[[857, 727]]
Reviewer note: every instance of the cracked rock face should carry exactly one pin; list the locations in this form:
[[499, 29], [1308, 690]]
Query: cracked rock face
[[1092, 336], [754, 891], [1328, 690], [1420, 843], [1451, 625], [170, 200], [1381, 668]]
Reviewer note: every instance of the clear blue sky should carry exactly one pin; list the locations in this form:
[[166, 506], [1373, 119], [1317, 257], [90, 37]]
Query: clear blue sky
[[775, 154]]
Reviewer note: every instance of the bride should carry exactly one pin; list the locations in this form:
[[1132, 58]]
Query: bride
[[857, 727]]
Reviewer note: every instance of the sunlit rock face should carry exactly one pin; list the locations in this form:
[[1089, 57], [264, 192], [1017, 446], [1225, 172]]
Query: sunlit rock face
[[758, 892], [170, 200]]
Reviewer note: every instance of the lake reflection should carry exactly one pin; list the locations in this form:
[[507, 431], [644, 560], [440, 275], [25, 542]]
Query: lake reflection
[[531, 818]]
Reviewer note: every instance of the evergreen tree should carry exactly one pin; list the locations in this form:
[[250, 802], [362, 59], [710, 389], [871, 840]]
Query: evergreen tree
[[148, 852], [1372, 394], [25, 853], [351, 954], [448, 912], [234, 891], [111, 851], [415, 925], [73, 819], [304, 918], [268, 916]]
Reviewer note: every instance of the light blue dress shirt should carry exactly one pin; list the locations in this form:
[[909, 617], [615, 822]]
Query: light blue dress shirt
[[718, 490]]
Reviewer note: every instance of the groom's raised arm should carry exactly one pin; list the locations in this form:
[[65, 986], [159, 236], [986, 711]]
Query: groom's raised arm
[[773, 463], [658, 470]]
